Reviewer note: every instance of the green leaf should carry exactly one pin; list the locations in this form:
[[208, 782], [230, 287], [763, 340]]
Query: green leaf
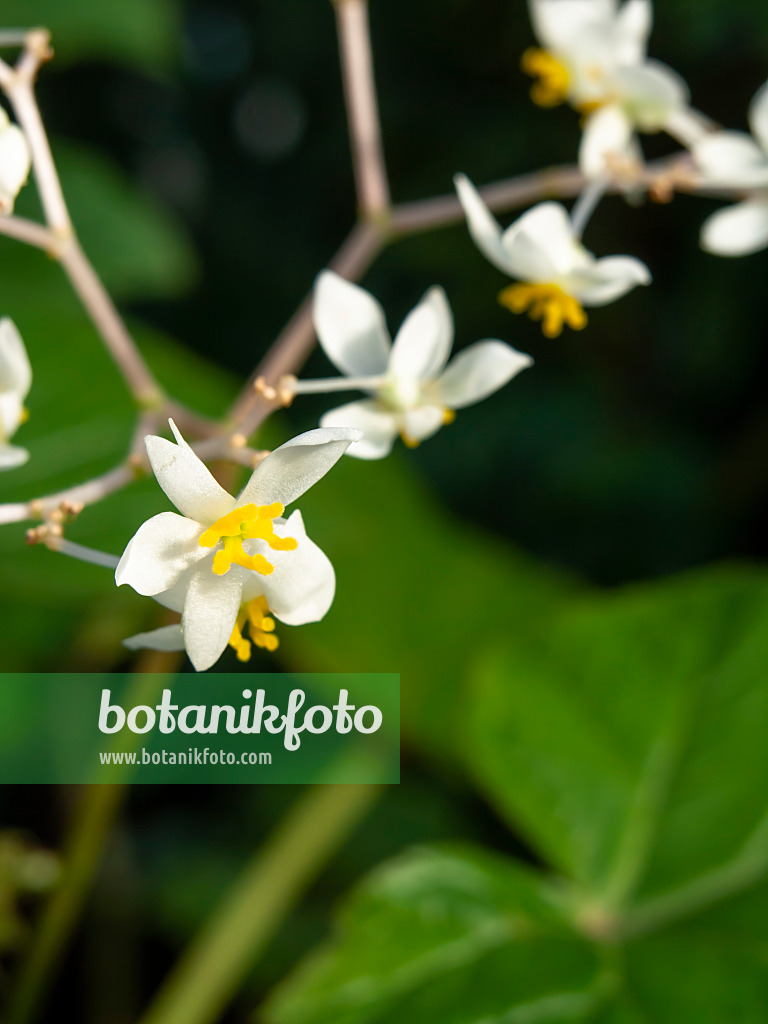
[[630, 747], [142, 33], [138, 249], [449, 936]]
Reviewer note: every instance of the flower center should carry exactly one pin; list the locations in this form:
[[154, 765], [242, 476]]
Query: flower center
[[545, 302], [246, 523], [551, 89], [261, 629]]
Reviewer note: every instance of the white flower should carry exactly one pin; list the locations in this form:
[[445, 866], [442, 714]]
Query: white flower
[[229, 563], [14, 162], [412, 391], [594, 57], [540, 249], [15, 382], [738, 160]]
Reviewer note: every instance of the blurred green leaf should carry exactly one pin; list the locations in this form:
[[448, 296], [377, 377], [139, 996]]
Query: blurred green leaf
[[138, 249], [418, 592], [629, 746], [448, 936], [142, 33]]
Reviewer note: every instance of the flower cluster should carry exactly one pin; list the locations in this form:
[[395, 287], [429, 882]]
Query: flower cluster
[[233, 566]]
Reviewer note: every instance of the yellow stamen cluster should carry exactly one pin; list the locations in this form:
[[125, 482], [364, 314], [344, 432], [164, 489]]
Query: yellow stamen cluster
[[261, 629], [246, 523], [551, 89], [545, 302]]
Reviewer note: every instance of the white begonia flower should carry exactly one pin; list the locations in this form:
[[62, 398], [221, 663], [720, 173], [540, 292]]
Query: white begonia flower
[[559, 276], [15, 382], [412, 391], [594, 58], [738, 160], [229, 563], [14, 162]]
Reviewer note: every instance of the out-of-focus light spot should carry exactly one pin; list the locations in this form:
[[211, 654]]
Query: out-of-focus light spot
[[176, 174], [269, 120], [216, 44]]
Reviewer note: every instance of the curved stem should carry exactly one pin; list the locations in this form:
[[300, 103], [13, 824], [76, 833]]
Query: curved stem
[[213, 967]]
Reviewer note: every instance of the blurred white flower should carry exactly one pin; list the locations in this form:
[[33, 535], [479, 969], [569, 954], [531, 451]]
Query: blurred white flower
[[558, 275], [15, 382], [230, 564], [14, 162], [412, 391], [738, 160], [594, 58]]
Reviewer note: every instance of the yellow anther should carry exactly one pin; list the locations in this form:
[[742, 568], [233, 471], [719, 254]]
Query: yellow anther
[[448, 417], [551, 89], [250, 522], [548, 303], [261, 629], [24, 414], [409, 442]]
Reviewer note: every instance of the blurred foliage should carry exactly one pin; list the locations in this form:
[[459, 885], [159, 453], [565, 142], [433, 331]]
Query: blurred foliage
[[630, 748], [25, 871], [597, 752]]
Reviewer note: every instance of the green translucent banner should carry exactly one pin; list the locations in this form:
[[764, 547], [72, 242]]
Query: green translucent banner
[[214, 728]]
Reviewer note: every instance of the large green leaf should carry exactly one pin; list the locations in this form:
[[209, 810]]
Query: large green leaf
[[448, 936], [628, 745]]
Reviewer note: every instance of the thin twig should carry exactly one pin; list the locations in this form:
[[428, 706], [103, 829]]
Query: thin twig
[[18, 84], [362, 107], [28, 232]]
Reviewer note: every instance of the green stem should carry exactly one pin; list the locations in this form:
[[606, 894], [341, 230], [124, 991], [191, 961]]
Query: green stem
[[215, 964], [88, 836]]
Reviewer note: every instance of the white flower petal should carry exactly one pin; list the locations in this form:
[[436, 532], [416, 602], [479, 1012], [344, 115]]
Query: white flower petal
[[14, 162], [477, 372], [302, 587], [377, 426], [650, 92], [11, 456], [608, 136], [423, 343], [351, 327], [731, 158], [294, 467], [607, 279], [419, 424], [555, 22], [167, 638], [758, 117], [15, 371], [210, 613], [11, 413], [634, 23], [162, 549], [540, 246], [483, 226], [737, 230], [186, 480]]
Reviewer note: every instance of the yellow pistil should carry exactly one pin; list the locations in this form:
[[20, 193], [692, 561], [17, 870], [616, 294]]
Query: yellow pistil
[[261, 629], [551, 89], [545, 302], [247, 523]]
